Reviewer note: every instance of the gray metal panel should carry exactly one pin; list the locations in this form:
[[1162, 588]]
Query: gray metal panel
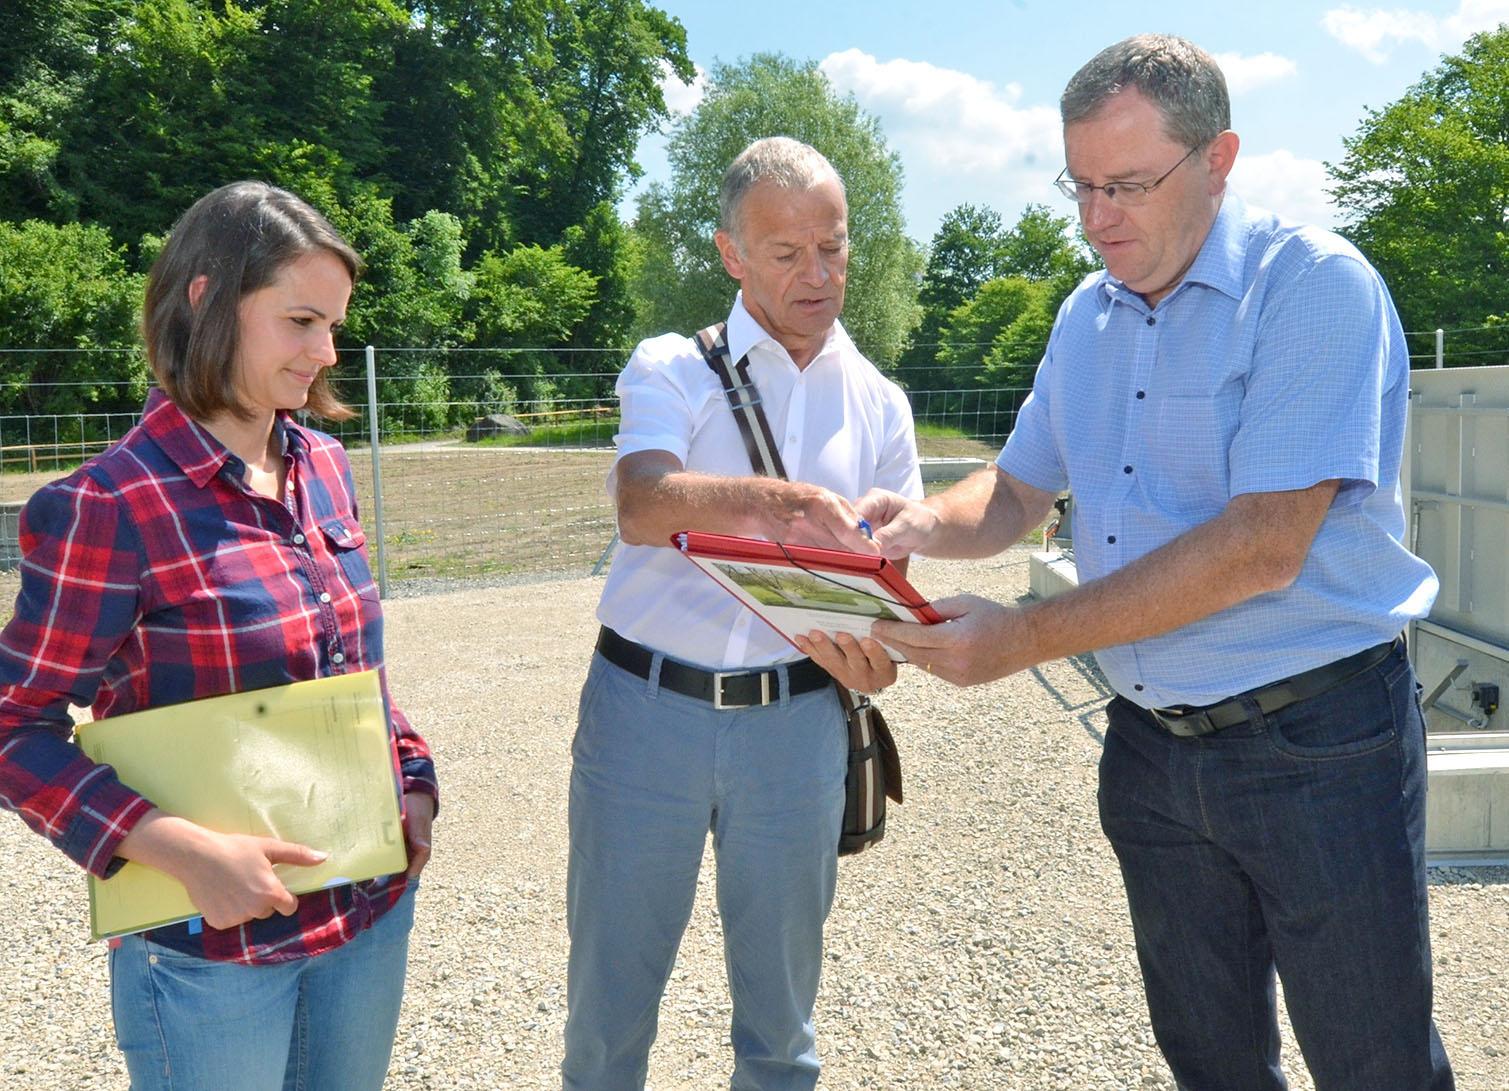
[[1459, 494]]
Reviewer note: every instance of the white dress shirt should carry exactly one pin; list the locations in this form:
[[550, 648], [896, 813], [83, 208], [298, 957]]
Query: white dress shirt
[[839, 424]]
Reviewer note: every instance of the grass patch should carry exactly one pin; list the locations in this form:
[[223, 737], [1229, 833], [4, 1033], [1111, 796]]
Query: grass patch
[[584, 433]]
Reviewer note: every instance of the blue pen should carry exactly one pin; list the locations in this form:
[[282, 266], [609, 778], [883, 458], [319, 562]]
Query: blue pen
[[864, 525]]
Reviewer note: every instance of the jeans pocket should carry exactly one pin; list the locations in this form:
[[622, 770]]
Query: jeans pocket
[[1355, 718]]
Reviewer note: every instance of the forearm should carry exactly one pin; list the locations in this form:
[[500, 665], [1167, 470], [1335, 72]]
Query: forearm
[[164, 842], [1257, 545], [657, 497], [650, 512], [984, 514], [78, 805], [1189, 579]]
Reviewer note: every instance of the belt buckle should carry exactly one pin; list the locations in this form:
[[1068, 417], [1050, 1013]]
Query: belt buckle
[[721, 705], [1192, 724]]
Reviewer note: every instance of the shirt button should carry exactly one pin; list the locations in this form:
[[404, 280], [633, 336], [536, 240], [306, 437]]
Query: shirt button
[[1151, 321], [1126, 469], [1138, 687], [1141, 394], [324, 596], [338, 657], [1111, 539], [298, 539]]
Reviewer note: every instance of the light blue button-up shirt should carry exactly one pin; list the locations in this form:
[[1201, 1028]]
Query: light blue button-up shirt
[[1277, 363]]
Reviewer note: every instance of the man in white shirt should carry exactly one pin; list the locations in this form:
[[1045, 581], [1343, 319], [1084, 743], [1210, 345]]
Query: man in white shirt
[[696, 715]]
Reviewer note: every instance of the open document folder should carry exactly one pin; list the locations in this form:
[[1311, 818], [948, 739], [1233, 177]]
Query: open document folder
[[309, 762], [797, 589]]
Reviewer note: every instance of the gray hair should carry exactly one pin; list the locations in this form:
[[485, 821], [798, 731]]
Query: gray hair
[[779, 160], [1181, 79]]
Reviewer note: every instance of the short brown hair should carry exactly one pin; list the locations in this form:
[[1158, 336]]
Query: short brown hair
[[1182, 80], [239, 237]]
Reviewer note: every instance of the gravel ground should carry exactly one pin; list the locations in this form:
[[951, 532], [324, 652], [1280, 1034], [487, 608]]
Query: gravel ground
[[982, 945]]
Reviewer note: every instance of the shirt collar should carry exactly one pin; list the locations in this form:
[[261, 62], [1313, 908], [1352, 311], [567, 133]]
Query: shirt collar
[[1218, 265], [191, 446], [745, 334]]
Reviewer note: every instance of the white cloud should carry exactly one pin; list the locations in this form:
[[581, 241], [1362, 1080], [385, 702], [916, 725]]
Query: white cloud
[[1246, 73], [681, 98], [1375, 32], [1282, 182], [949, 120]]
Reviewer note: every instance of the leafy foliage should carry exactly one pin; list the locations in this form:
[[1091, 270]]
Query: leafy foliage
[[472, 150], [67, 288], [1425, 187], [989, 296]]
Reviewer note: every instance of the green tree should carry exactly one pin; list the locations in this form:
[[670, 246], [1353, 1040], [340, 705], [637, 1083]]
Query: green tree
[[971, 249], [65, 291], [997, 338], [682, 282], [47, 53], [1045, 247], [603, 91], [1424, 188], [190, 95], [966, 251], [525, 299]]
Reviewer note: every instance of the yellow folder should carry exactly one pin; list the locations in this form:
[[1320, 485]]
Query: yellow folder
[[308, 762]]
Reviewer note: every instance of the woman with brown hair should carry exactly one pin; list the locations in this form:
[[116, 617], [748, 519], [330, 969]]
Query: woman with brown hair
[[215, 549]]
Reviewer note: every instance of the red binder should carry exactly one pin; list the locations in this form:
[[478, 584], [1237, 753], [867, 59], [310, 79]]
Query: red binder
[[797, 589]]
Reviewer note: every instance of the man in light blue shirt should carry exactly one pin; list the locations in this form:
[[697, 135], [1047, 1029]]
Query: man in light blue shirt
[[1227, 403]]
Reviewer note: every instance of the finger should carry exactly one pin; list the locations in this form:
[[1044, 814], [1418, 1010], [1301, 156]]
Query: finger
[[284, 902], [908, 634], [287, 852], [892, 543], [910, 653], [850, 535], [877, 506], [874, 651], [953, 606], [822, 651]]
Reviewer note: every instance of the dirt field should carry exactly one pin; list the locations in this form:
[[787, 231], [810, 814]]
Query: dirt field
[[458, 512]]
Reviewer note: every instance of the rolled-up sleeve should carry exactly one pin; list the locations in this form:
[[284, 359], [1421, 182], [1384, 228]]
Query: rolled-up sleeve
[[78, 601]]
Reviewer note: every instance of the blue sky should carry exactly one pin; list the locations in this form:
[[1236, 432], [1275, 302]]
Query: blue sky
[[967, 90]]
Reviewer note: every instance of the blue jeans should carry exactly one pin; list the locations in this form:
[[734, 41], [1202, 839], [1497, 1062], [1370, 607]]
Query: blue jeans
[[326, 1022], [652, 772], [1292, 842]]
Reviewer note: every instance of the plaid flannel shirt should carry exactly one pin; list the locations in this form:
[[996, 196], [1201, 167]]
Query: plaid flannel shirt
[[153, 575]]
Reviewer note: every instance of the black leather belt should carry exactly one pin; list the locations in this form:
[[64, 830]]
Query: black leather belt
[[721, 689], [1192, 722]]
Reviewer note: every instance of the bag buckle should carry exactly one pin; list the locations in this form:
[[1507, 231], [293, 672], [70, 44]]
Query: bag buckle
[[720, 676]]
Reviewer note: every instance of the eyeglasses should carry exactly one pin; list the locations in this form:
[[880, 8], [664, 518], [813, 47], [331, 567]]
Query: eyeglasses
[[1118, 193]]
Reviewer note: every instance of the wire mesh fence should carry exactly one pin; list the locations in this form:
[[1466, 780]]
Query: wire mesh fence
[[490, 463]]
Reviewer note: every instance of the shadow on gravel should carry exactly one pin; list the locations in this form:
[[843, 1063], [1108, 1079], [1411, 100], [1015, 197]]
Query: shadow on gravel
[[1089, 712]]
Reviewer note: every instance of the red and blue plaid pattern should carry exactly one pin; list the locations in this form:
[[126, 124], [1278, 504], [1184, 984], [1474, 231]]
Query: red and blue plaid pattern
[[151, 576]]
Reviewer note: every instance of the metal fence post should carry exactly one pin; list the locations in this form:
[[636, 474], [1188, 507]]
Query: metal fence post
[[377, 520], [1440, 348]]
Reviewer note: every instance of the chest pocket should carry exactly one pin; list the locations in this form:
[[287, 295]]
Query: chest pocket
[[347, 541], [1188, 458]]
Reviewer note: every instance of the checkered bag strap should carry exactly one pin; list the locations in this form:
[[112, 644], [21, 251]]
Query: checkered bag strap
[[743, 400]]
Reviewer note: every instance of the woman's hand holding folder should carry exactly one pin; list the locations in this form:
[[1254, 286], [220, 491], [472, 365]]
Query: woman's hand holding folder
[[229, 877]]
